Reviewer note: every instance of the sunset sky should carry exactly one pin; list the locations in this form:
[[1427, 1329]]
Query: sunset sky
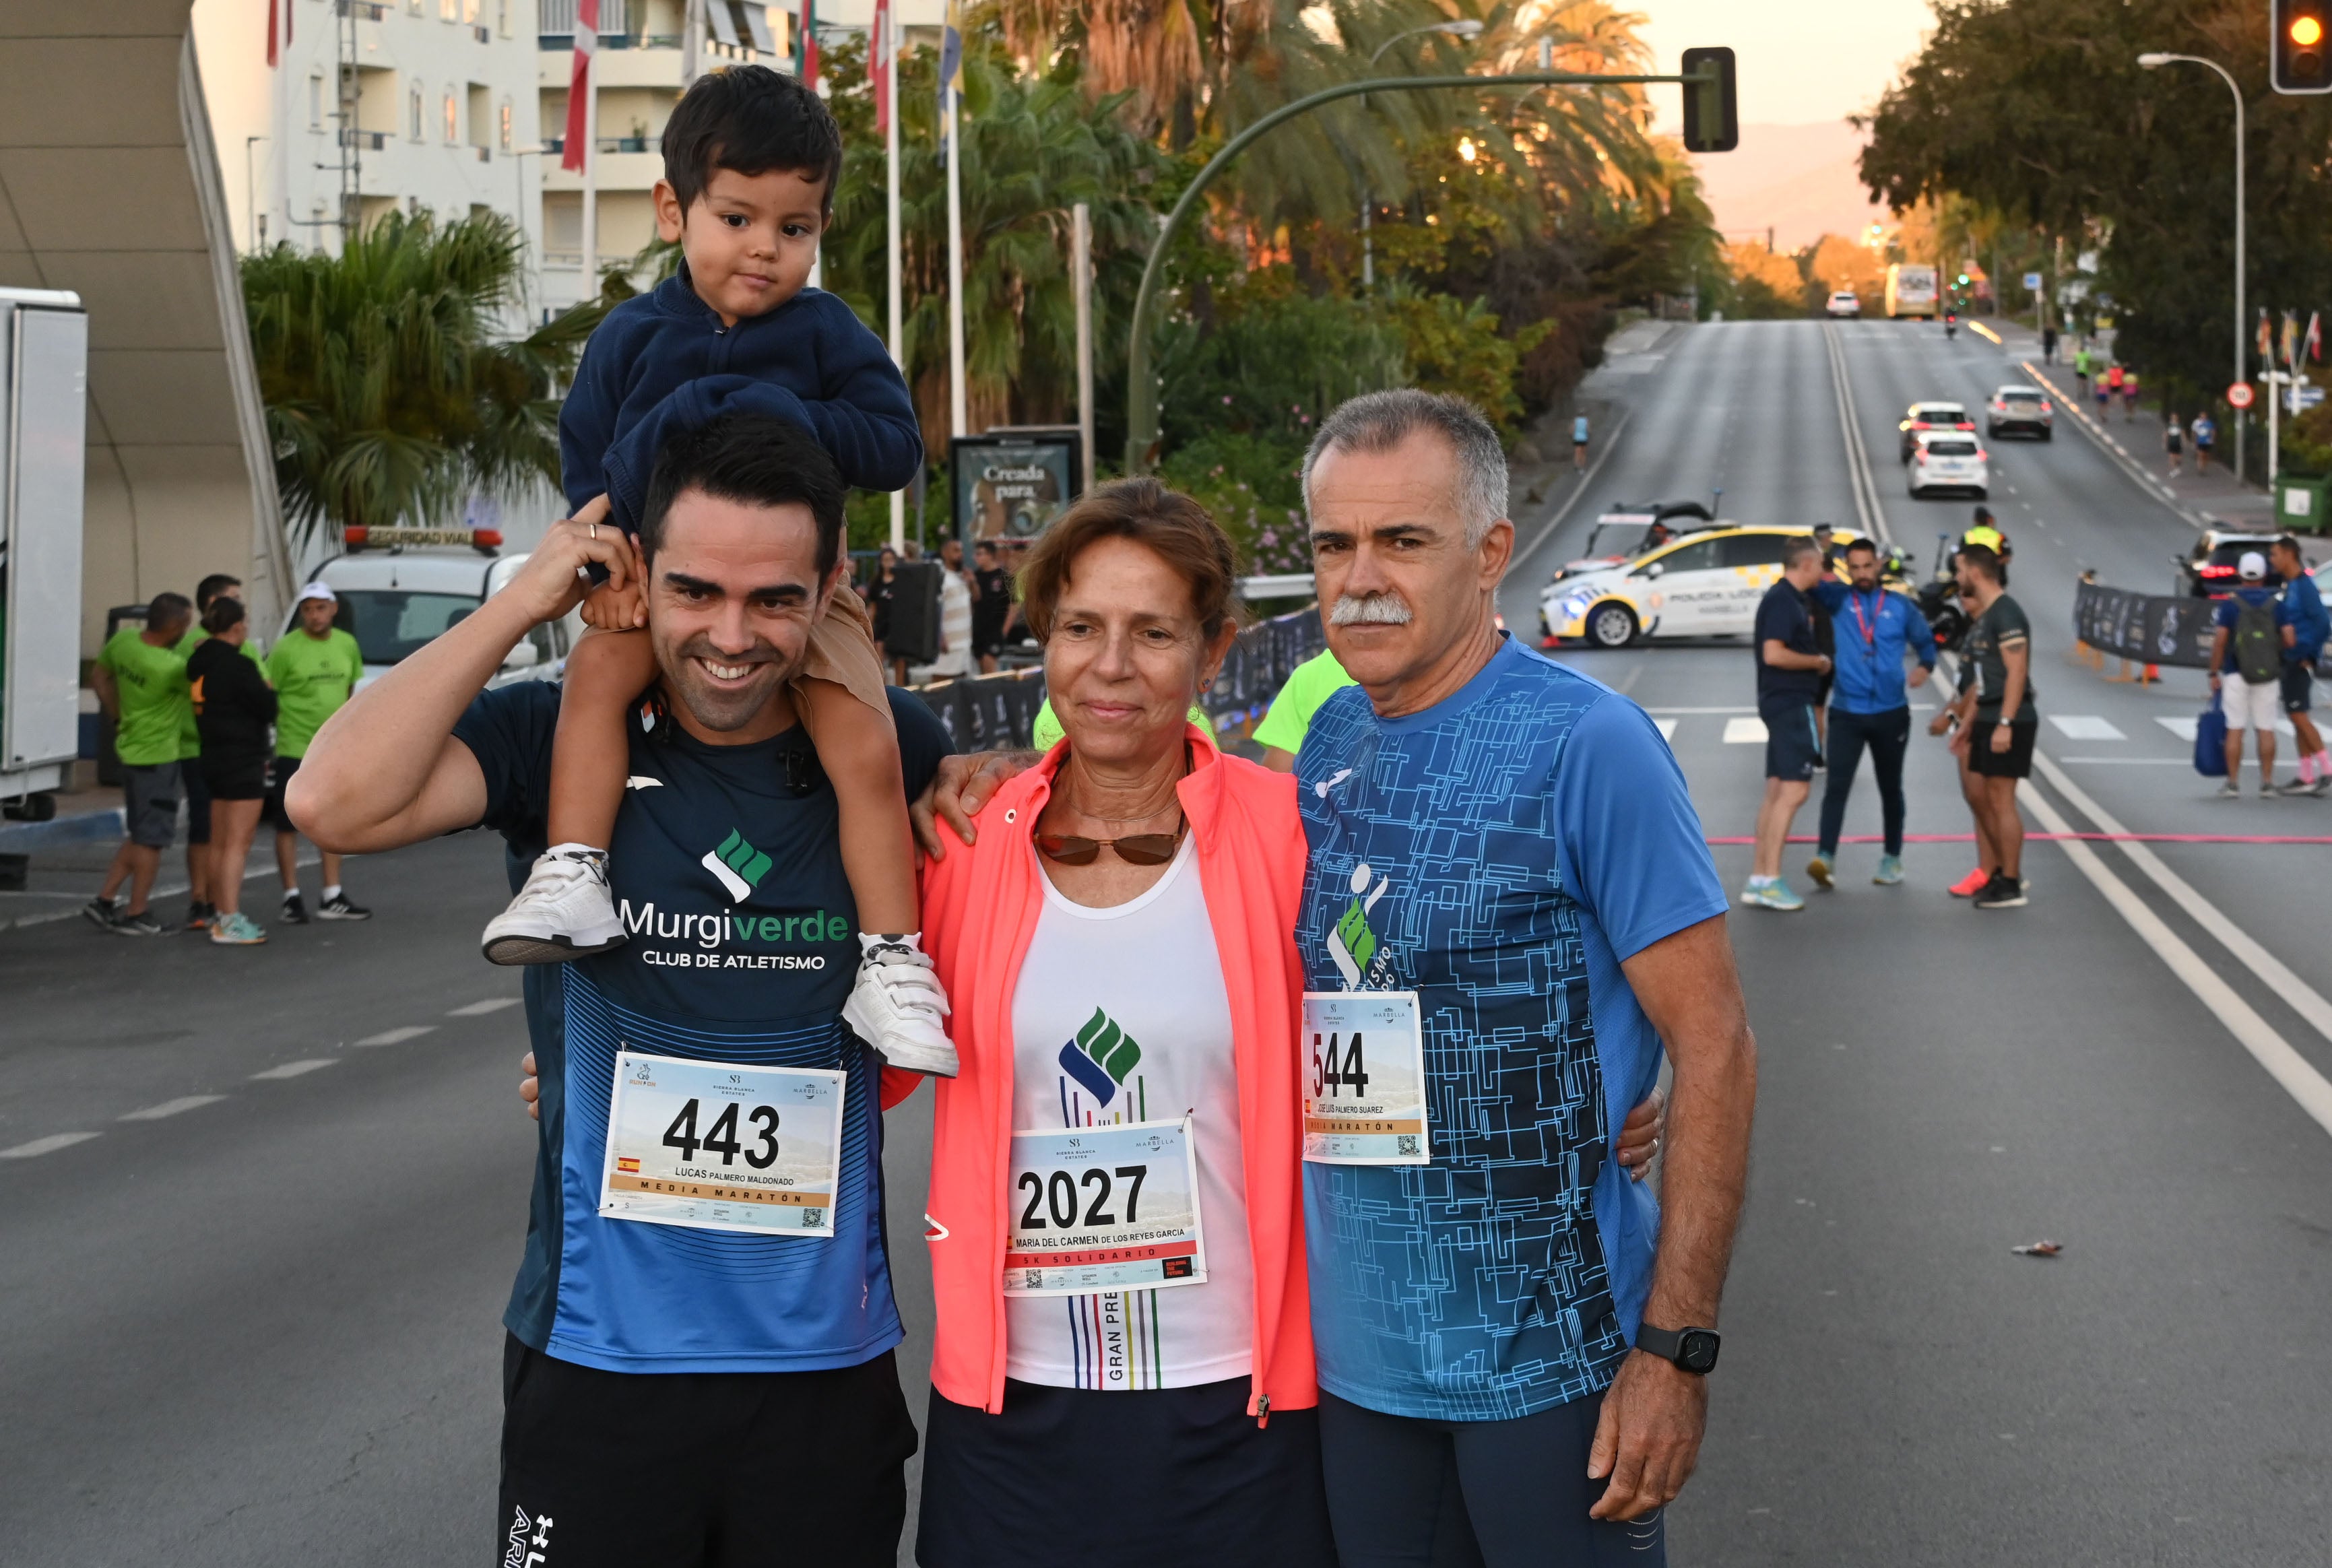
[[1799, 60]]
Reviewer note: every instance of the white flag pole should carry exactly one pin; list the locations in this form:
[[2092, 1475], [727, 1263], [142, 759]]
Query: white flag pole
[[887, 45], [958, 413], [1081, 282]]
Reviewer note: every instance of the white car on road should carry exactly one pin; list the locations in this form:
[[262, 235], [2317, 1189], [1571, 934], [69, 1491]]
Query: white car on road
[[2020, 407], [1844, 302], [1705, 585], [395, 599], [1948, 460]]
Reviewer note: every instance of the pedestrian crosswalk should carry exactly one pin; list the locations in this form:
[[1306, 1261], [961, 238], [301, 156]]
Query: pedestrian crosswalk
[[2183, 727], [1736, 727]]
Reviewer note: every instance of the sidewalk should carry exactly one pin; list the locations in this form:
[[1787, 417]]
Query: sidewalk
[[2205, 499]]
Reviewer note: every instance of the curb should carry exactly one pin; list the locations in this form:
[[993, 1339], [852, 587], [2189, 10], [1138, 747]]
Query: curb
[[79, 827]]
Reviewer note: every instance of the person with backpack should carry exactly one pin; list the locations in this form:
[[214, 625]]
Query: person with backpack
[[2247, 670], [2305, 625]]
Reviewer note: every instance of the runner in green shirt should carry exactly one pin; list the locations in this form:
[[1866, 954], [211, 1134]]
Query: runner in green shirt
[[140, 678], [1309, 685], [202, 898], [315, 668]]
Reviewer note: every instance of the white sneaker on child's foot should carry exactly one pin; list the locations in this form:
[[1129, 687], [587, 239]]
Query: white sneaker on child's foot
[[562, 912], [896, 1006]]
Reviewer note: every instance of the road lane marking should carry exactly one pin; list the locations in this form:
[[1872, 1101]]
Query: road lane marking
[[397, 1036], [2085, 727], [2184, 728], [2137, 761], [48, 1145], [1700, 710], [1745, 732], [2296, 993], [172, 1107], [294, 1069], [1666, 728], [1857, 458], [2286, 1066], [479, 1009]]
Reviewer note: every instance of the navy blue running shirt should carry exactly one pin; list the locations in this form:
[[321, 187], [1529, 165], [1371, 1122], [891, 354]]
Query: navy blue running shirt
[[1506, 850], [750, 962]]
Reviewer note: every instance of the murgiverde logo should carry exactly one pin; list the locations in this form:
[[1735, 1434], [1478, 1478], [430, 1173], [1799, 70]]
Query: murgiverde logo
[[1101, 1057], [737, 864], [1353, 941]]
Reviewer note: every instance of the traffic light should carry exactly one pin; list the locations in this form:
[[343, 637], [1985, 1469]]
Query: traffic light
[[1964, 279], [1711, 115], [2300, 52]]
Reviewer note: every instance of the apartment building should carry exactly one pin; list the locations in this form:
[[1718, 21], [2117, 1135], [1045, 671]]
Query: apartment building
[[419, 105]]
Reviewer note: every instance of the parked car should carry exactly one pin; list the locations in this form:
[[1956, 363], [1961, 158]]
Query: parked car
[[400, 588], [1703, 584], [1631, 528], [2022, 410], [2210, 570]]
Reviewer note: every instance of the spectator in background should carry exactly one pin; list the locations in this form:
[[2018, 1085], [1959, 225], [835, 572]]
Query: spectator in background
[[1789, 668], [2306, 623], [2174, 442], [315, 668], [201, 896], [2246, 667], [140, 680], [1998, 718], [2205, 432], [235, 709], [993, 612], [955, 612], [882, 586], [2049, 344]]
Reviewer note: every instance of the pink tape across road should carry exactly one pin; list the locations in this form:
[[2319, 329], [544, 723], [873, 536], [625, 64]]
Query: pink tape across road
[[2059, 837]]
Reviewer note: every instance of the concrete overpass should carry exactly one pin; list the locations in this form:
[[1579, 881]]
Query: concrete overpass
[[110, 186]]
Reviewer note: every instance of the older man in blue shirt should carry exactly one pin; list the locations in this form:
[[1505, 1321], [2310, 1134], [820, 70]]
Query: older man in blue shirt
[[1869, 704]]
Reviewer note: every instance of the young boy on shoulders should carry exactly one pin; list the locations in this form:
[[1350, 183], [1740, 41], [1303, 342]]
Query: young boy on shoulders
[[751, 158]]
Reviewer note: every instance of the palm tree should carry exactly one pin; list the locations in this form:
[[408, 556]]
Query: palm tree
[[393, 392]]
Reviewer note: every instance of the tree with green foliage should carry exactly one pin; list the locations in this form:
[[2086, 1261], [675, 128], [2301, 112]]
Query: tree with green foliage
[[393, 390], [2038, 110]]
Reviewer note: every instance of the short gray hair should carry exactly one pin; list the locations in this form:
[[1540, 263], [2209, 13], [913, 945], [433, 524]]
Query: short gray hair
[[1797, 547], [1380, 421]]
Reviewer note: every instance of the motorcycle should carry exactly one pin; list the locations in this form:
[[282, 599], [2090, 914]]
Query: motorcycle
[[1950, 325]]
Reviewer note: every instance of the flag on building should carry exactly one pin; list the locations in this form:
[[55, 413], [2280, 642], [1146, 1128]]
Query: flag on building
[[950, 66], [279, 30], [806, 45], [573, 152], [878, 61]]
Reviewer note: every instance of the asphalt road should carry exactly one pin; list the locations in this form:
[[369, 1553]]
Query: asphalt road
[[263, 1328]]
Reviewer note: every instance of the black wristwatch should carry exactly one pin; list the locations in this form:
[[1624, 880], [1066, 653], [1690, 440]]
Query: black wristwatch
[[1693, 1349]]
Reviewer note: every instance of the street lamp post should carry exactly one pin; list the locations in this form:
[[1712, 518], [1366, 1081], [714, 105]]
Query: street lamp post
[[1465, 28], [2155, 63]]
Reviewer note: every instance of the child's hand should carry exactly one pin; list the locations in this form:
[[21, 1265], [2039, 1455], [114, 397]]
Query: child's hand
[[616, 610]]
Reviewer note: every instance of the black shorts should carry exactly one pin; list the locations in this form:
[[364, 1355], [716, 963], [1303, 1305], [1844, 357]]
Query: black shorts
[[1165, 1477], [229, 777], [2016, 763], [1793, 746], [197, 786], [1821, 691], [604, 1469], [2297, 679], [274, 814], [149, 802], [1408, 1491]]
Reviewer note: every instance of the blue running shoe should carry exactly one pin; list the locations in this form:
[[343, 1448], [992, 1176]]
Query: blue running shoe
[[1890, 870]]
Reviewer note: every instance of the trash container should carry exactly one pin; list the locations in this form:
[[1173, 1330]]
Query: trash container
[[2299, 504]]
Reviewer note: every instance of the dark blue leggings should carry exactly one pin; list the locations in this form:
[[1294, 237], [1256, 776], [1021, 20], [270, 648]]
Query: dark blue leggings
[[1406, 1492], [1888, 735]]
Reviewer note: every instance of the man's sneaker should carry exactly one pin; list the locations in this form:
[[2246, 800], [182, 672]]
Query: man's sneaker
[[2305, 786], [1771, 892], [2231, 790], [295, 913], [1819, 869], [142, 924], [236, 930], [897, 1004], [199, 915], [1890, 871], [100, 913], [1974, 883], [562, 912], [2002, 892], [341, 906]]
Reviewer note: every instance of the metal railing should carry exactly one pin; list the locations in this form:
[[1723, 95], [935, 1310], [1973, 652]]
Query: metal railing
[[362, 10], [370, 140]]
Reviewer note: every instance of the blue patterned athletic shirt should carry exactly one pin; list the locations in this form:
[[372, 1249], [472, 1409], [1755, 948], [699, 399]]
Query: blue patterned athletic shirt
[[1501, 853]]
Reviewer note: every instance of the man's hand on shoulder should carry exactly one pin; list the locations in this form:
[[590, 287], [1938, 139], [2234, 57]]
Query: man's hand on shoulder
[[552, 581], [957, 793]]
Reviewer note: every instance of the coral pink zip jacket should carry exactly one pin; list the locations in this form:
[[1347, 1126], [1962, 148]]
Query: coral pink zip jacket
[[981, 907]]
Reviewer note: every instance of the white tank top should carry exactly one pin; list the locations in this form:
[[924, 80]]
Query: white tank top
[[1150, 972]]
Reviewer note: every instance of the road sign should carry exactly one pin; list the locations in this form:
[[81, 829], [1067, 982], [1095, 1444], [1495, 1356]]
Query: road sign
[[2301, 397], [2238, 395], [2032, 282]]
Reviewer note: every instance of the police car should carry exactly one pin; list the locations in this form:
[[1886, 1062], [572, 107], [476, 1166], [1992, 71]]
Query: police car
[[1705, 585], [400, 588]]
